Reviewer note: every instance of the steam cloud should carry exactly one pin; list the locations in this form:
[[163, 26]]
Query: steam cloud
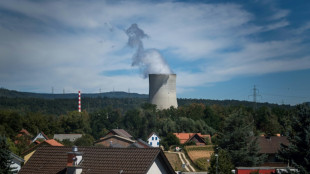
[[150, 61]]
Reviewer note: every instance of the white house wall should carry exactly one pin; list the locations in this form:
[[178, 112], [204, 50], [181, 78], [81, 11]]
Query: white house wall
[[157, 168], [154, 141]]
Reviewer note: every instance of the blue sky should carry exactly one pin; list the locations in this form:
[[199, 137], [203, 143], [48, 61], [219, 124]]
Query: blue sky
[[218, 49]]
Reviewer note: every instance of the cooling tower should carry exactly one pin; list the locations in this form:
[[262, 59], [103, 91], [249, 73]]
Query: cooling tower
[[162, 90]]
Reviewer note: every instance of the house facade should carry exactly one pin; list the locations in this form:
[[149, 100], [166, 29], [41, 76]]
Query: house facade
[[40, 137], [153, 140]]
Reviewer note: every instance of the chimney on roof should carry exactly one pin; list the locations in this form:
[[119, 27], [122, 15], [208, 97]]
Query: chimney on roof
[[74, 160]]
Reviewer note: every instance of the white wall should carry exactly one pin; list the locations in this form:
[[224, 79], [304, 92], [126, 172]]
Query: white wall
[[154, 140], [157, 168]]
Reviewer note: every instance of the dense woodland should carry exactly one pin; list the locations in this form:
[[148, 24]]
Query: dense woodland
[[223, 120]]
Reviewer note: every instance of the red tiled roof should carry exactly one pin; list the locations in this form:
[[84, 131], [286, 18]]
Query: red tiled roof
[[271, 145], [24, 131], [53, 142], [184, 137], [96, 160]]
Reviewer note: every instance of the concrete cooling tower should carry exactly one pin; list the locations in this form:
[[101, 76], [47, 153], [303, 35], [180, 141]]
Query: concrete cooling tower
[[162, 90]]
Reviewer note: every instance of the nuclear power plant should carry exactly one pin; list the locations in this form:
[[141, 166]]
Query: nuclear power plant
[[162, 90]]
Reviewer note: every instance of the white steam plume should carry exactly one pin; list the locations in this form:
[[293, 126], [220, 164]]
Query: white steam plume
[[150, 61]]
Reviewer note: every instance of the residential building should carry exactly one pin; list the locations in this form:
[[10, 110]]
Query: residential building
[[119, 132], [70, 137], [153, 140], [270, 145], [114, 141], [198, 138], [17, 162], [40, 137], [63, 160], [29, 152]]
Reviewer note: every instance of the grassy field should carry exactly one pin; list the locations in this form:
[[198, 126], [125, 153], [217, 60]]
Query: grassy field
[[174, 161], [200, 155]]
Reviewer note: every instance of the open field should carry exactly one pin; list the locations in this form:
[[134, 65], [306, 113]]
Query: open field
[[175, 161], [199, 155]]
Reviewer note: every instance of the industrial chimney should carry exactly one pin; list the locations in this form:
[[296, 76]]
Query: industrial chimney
[[162, 90]]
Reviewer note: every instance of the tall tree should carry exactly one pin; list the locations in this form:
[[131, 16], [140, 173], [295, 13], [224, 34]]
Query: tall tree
[[237, 137], [5, 158], [298, 151], [222, 161]]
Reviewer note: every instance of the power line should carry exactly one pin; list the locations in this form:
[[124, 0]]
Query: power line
[[255, 95]]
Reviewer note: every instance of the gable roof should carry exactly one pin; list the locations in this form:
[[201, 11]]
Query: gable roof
[[24, 131], [42, 134], [272, 144], [186, 137], [152, 135], [96, 160], [50, 142], [71, 137], [115, 136], [121, 132], [141, 144], [16, 158]]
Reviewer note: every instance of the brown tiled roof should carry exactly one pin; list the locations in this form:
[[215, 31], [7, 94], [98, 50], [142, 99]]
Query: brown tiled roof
[[121, 132], [272, 144], [50, 142], [52, 160]]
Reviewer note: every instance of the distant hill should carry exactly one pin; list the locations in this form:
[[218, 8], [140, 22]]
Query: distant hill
[[61, 103], [117, 94]]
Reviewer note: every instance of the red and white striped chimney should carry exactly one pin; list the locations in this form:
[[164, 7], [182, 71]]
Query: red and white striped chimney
[[79, 101]]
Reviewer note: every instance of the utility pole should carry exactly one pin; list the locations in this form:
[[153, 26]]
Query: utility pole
[[217, 162]]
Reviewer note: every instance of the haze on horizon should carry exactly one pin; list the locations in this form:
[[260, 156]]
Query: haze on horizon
[[218, 49]]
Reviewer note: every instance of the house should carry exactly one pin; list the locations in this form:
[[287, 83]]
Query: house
[[263, 170], [63, 160], [29, 152], [70, 137], [114, 141], [119, 132], [17, 162], [198, 138], [23, 136], [40, 137], [260, 170], [270, 145], [153, 140], [140, 144]]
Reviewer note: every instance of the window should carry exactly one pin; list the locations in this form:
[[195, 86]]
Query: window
[[150, 143], [157, 143], [155, 138], [152, 138]]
